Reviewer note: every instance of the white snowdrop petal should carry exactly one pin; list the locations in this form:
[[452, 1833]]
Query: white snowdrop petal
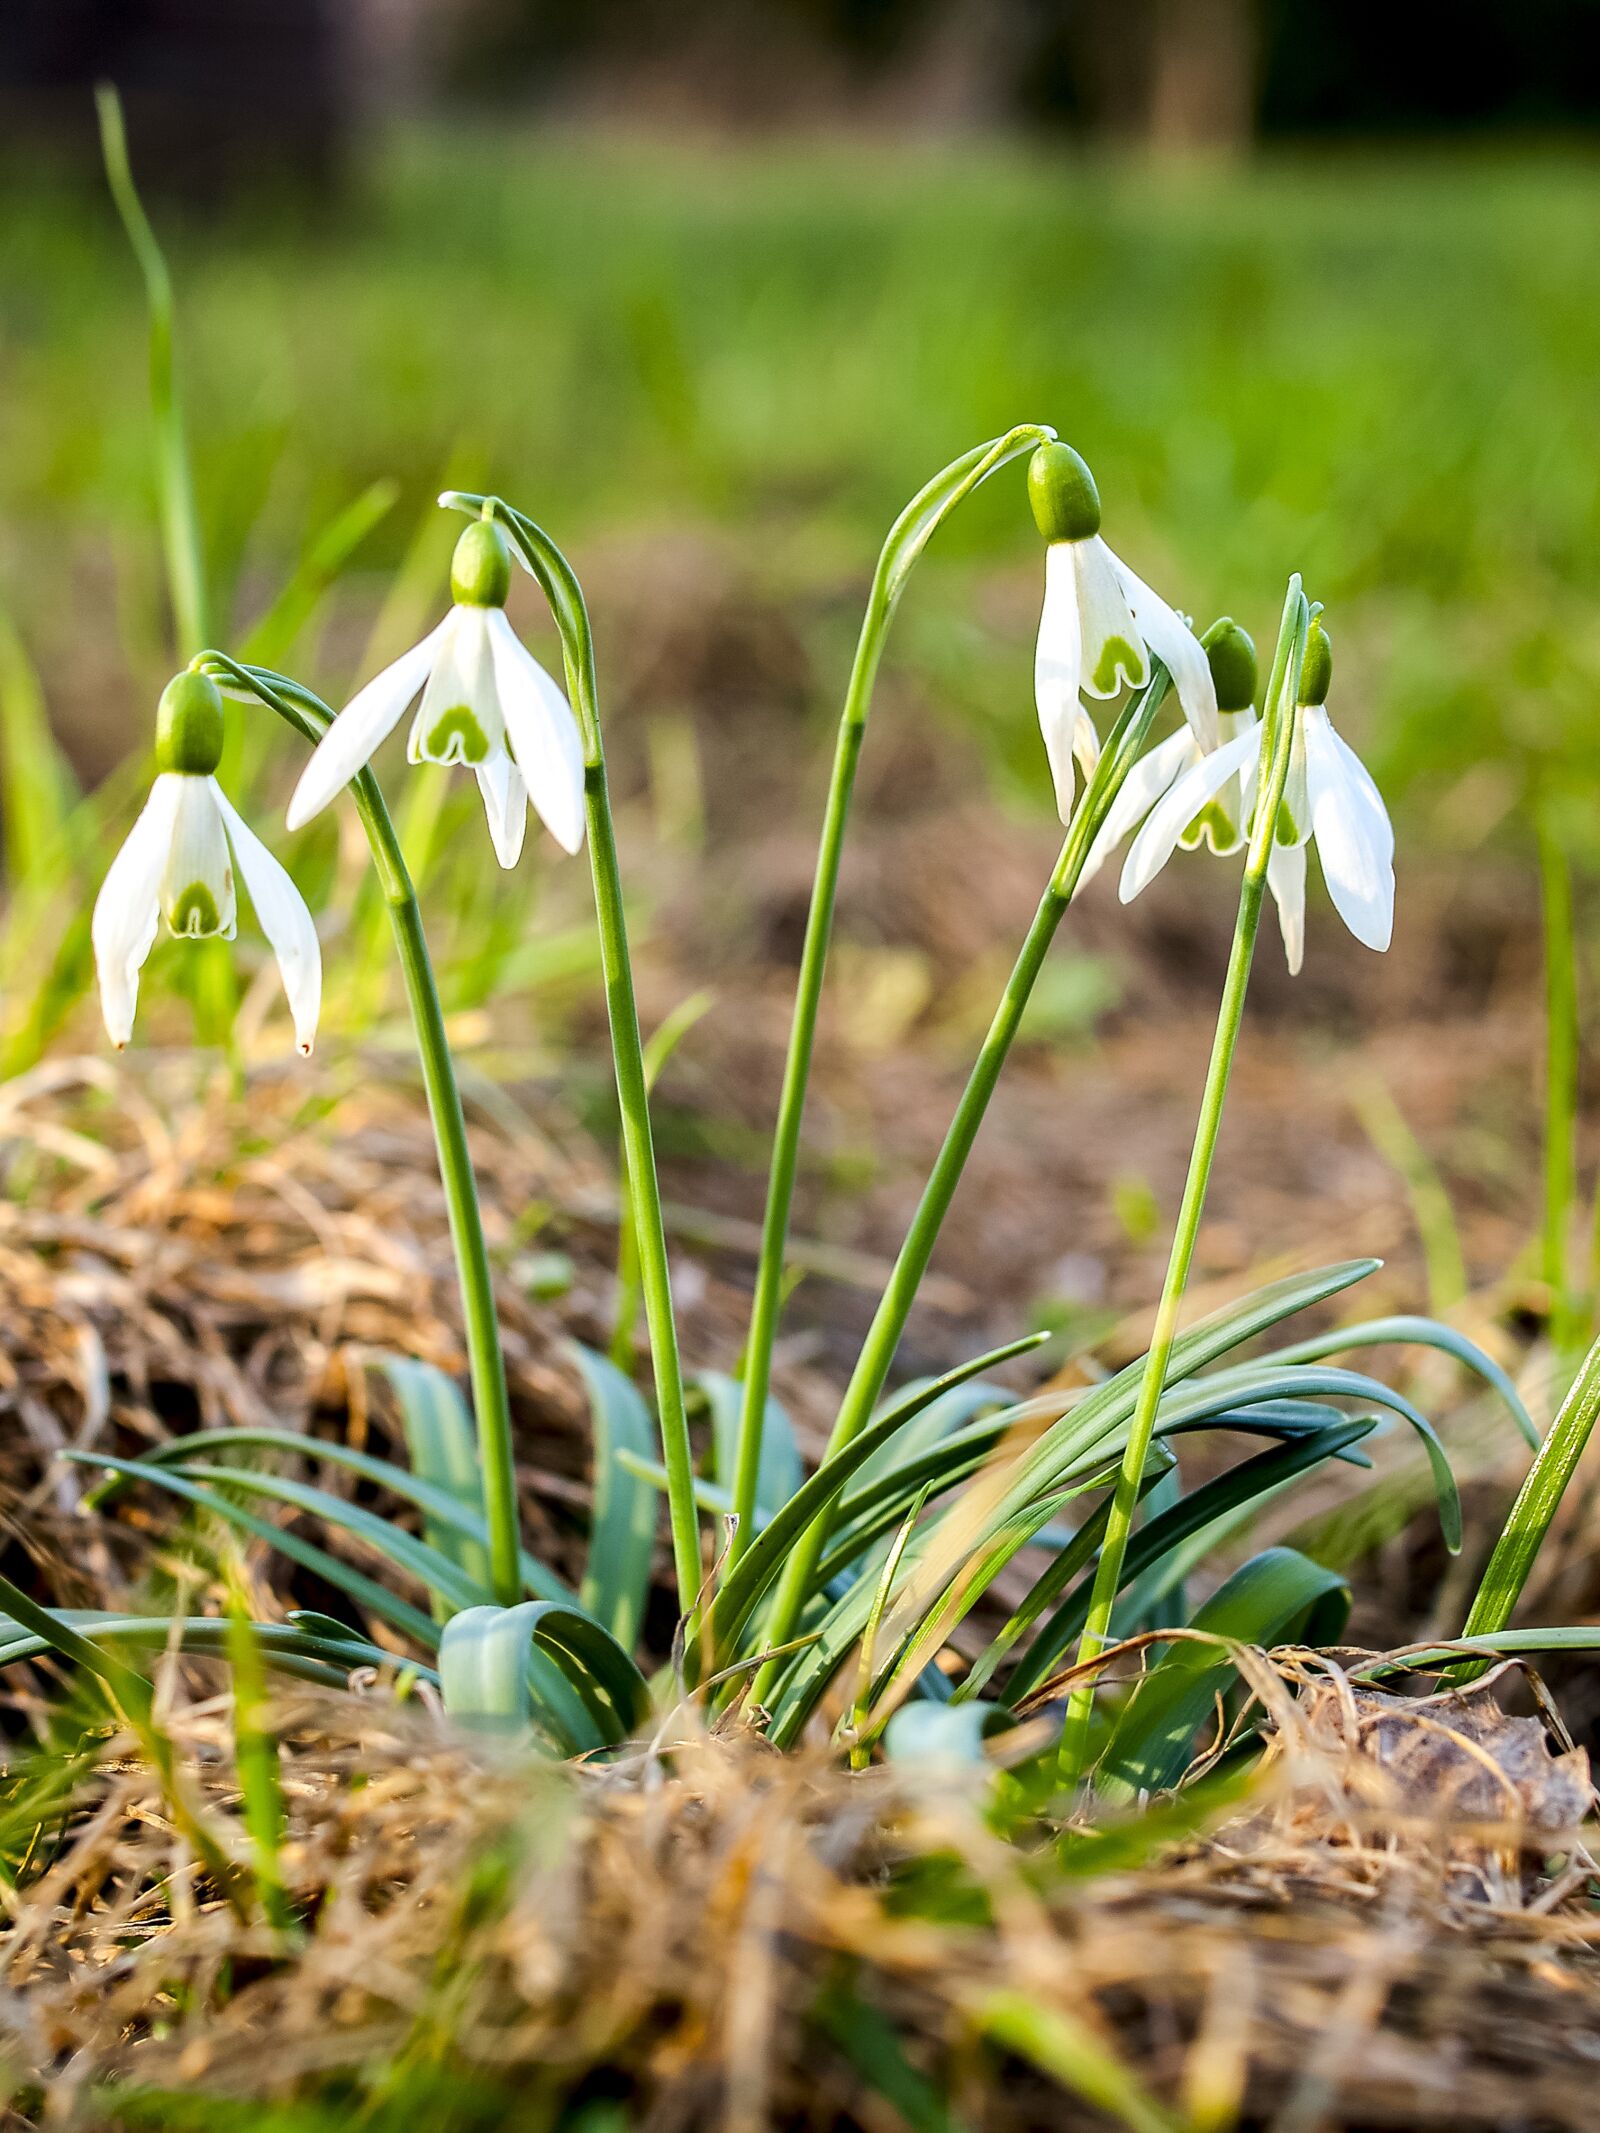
[[1057, 667], [197, 892], [1286, 878], [458, 720], [366, 721], [1113, 649], [1356, 853], [1141, 789], [542, 732], [1361, 780], [281, 910], [505, 802], [1177, 808], [1179, 650], [127, 912]]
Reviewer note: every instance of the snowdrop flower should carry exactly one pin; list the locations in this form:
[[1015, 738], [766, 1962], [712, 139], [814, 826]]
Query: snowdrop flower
[[486, 702], [178, 864], [1223, 822], [1099, 625], [1329, 797]]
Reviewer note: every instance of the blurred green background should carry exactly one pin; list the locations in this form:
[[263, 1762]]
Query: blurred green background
[[1286, 336], [1380, 371]]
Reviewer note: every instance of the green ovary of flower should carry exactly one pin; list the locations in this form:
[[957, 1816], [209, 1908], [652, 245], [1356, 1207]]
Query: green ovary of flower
[[194, 913], [189, 726], [457, 737]]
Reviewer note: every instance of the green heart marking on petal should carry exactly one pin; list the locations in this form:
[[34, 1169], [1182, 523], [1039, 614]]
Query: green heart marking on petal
[[195, 914], [456, 737], [1284, 829], [1214, 826], [1114, 653]]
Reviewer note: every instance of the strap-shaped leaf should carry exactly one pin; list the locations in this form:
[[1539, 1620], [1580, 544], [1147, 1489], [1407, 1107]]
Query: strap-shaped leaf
[[781, 1470], [291, 1647], [442, 1446], [1277, 1596], [441, 1508], [867, 1514], [1241, 1487], [1543, 1487], [937, 1424], [413, 1557], [1415, 1332], [490, 1684], [765, 1556], [365, 1591], [616, 1571]]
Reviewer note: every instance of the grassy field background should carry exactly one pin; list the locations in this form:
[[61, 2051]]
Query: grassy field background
[[1378, 370]]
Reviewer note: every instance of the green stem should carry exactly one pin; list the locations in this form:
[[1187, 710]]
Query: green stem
[[310, 718], [906, 540], [180, 521], [894, 1308], [1276, 746], [1561, 1076], [565, 595]]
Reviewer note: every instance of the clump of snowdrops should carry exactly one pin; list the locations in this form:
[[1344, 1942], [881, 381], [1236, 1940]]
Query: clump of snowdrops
[[824, 1600]]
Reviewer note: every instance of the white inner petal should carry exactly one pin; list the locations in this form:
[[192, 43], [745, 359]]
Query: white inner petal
[[459, 719], [1113, 649], [197, 893]]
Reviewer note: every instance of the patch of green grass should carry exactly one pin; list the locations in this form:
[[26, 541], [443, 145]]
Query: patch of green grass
[[1377, 370]]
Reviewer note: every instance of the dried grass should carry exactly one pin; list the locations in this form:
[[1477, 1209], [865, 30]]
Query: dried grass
[[683, 1930]]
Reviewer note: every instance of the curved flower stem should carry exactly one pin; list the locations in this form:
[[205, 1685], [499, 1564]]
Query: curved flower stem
[[894, 1308], [906, 540], [1276, 744], [561, 588], [491, 1404]]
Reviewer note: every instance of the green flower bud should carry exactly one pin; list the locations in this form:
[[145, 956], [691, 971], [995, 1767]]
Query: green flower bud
[[1066, 503], [189, 726], [1317, 671], [1231, 654], [480, 569]]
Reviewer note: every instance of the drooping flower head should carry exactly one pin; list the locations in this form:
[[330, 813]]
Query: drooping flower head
[[177, 864], [1223, 819], [1099, 626], [1329, 797], [486, 702]]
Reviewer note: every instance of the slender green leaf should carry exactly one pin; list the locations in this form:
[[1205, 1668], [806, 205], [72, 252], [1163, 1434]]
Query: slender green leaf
[[355, 1584], [275, 635], [1529, 1518], [1247, 1484], [1277, 1596], [780, 1472], [443, 1510], [770, 1549], [616, 1572], [1415, 1332], [484, 1667], [442, 1445]]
